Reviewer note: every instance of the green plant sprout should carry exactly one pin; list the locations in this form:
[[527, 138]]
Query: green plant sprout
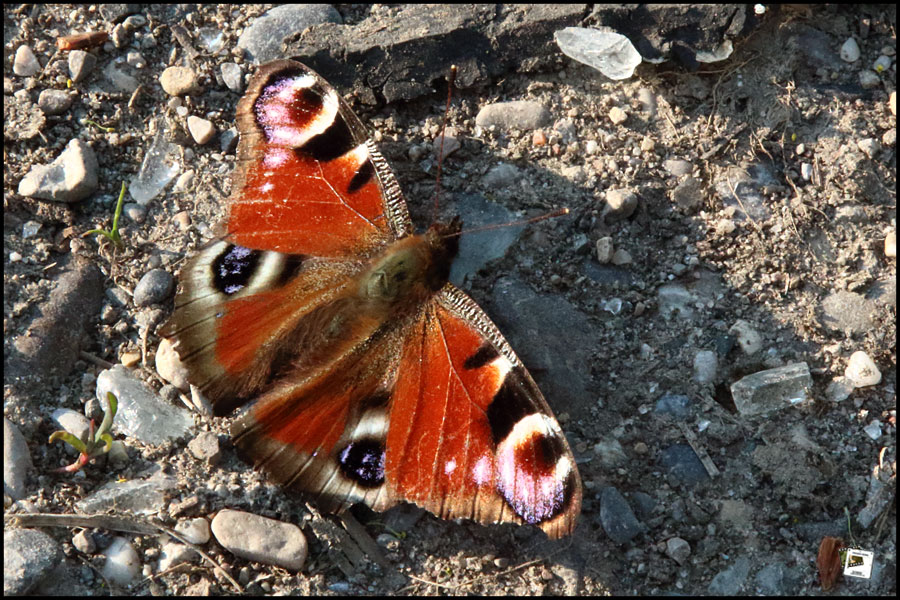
[[113, 234], [98, 126], [93, 443]]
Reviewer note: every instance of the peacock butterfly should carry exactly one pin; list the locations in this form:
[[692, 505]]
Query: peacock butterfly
[[375, 379]]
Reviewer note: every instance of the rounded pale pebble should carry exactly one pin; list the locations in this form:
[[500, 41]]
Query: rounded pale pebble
[[122, 562], [850, 51], [890, 245], [862, 370], [747, 337]]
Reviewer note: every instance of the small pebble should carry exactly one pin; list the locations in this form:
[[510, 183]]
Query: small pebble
[[890, 245], [621, 257], [806, 171], [869, 79], [705, 366], [26, 63], [747, 337], [617, 115], [873, 429], [54, 102], [620, 204], [179, 81], [201, 130], [850, 51], [861, 370], [604, 250], [882, 64], [869, 146]]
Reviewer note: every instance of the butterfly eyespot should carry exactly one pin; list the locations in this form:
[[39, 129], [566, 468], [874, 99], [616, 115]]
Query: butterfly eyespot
[[363, 462], [233, 269]]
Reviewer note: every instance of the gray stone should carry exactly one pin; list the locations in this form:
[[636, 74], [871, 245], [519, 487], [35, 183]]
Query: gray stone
[[846, 311], [142, 413], [553, 339], [617, 518], [687, 195], [730, 581], [119, 79], [682, 465], [678, 167], [263, 40], [260, 539], [155, 286], [16, 461], [51, 344], [478, 248], [29, 556], [620, 204], [519, 114], [54, 102], [233, 77]]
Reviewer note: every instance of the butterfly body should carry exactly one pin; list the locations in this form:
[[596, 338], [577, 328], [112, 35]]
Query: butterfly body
[[374, 379]]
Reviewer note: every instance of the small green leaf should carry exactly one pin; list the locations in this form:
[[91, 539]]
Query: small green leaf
[[70, 439], [113, 234], [106, 425], [107, 440]]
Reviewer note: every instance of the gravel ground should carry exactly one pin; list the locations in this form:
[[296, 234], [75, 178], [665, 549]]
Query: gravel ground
[[722, 222]]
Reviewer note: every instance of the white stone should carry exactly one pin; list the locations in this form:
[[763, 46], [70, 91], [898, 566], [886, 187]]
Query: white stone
[[747, 337], [169, 366], [850, 51], [201, 130], [617, 115], [122, 562], [196, 531], [25, 63], [882, 64], [890, 245], [862, 370], [873, 429]]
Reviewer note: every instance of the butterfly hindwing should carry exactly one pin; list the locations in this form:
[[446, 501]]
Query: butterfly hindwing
[[470, 433]]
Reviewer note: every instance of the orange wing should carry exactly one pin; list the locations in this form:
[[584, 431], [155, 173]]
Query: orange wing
[[313, 201], [470, 433], [434, 409]]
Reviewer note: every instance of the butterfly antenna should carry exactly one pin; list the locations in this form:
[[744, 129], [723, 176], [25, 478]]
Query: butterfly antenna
[[550, 215], [451, 79]]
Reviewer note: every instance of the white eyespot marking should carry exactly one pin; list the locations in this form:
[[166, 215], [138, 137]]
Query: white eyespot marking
[[372, 424], [534, 489], [501, 368], [277, 112], [274, 158], [483, 470], [449, 467]]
